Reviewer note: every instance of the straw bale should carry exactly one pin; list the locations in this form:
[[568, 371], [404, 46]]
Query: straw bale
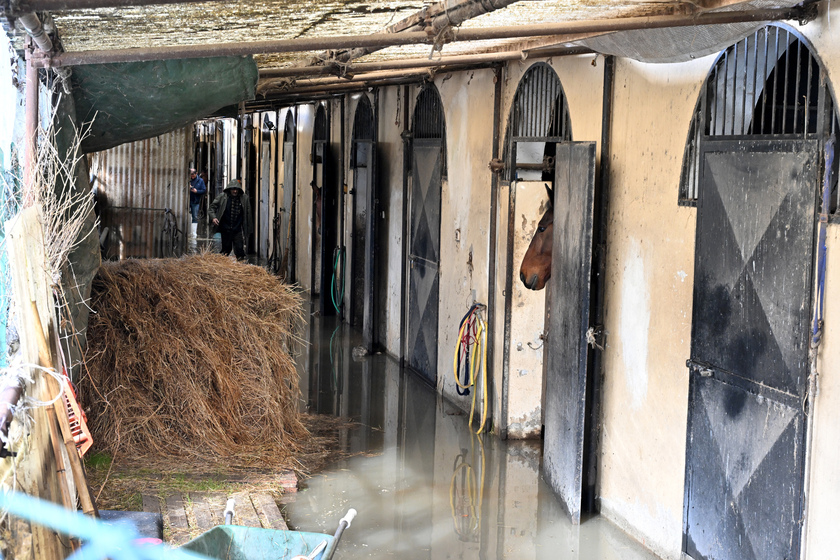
[[190, 357]]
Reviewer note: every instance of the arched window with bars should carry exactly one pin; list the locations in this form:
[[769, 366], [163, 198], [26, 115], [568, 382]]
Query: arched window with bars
[[769, 85]]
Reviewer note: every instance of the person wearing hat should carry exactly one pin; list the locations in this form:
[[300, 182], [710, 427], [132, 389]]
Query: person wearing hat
[[230, 214], [197, 190]]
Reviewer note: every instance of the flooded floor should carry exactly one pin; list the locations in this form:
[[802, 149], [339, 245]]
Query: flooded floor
[[424, 486]]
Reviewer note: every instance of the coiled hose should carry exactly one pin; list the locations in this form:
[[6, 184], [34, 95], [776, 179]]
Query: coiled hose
[[472, 345]]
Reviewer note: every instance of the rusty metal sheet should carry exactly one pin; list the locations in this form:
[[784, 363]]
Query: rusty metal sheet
[[134, 185]]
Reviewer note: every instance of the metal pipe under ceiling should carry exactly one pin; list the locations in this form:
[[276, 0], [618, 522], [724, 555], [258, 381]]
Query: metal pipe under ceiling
[[15, 9], [35, 30], [30, 154], [280, 86], [270, 75], [394, 39]]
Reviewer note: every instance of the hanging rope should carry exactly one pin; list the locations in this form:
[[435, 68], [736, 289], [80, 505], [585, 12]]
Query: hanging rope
[[470, 349]]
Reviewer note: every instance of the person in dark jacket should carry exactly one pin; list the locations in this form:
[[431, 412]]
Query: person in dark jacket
[[230, 215], [197, 190]]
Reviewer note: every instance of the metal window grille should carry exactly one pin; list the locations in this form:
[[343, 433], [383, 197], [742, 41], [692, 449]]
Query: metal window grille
[[320, 129], [363, 121], [429, 120], [539, 115], [428, 115], [767, 85], [289, 129], [363, 124]]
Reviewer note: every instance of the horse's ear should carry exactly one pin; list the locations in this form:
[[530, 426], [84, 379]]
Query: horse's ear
[[550, 192]]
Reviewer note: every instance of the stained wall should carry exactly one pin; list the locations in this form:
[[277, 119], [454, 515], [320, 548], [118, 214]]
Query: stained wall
[[649, 279]]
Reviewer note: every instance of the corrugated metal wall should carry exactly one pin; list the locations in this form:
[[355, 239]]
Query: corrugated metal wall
[[135, 184]]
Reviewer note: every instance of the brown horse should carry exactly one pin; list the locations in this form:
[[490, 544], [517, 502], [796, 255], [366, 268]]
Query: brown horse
[[318, 199], [536, 264]]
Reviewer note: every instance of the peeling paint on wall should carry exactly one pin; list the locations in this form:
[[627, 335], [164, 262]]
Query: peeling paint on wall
[[635, 323], [526, 425]]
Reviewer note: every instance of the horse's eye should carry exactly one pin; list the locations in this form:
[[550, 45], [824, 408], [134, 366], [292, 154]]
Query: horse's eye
[[541, 229]]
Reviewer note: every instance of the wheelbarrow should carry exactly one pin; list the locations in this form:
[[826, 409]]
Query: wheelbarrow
[[235, 542]]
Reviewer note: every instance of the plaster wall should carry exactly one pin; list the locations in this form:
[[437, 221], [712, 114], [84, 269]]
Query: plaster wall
[[823, 477], [277, 171], [347, 235], [303, 196], [468, 101], [265, 185], [650, 267], [527, 321], [650, 264], [392, 119]]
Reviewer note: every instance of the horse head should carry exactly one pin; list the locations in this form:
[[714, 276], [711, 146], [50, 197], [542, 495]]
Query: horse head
[[536, 264], [318, 200]]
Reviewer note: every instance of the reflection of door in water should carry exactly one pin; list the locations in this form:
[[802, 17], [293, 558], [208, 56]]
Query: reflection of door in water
[[749, 349]]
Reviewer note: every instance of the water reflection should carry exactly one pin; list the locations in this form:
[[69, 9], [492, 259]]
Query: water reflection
[[425, 486]]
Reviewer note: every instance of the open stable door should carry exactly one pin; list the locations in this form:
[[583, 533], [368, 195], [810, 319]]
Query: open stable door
[[566, 349]]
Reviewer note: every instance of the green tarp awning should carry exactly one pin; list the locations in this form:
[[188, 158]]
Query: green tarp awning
[[137, 100]]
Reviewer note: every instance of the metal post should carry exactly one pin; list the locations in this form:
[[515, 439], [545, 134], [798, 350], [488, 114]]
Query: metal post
[[494, 210], [65, 5], [31, 126], [342, 178], [599, 248], [406, 145]]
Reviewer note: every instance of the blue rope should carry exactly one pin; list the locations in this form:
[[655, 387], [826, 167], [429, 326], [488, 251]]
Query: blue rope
[[816, 333], [338, 262], [102, 540]]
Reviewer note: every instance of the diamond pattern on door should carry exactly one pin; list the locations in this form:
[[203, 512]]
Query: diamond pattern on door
[[743, 497], [425, 203], [424, 251], [423, 314], [753, 297], [749, 350]]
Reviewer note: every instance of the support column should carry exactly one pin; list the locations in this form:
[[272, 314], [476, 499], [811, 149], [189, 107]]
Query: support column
[[31, 122]]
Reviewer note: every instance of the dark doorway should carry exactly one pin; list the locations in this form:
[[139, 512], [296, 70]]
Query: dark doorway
[[363, 162], [251, 189], [327, 272], [428, 157]]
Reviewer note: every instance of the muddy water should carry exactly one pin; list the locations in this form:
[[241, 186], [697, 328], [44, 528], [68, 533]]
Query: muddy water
[[424, 486]]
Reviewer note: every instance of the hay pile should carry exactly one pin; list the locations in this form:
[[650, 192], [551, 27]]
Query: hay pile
[[188, 357]]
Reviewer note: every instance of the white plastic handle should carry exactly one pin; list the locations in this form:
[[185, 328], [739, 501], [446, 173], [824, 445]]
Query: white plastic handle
[[229, 507], [351, 515]]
